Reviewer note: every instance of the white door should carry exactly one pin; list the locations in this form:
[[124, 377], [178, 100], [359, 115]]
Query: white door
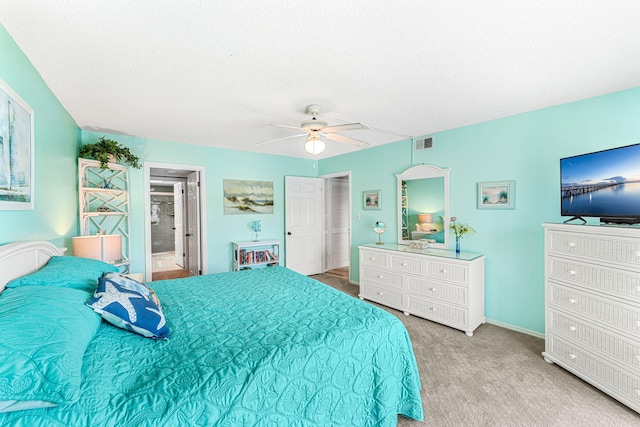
[[178, 196], [303, 224], [193, 224], [337, 223]]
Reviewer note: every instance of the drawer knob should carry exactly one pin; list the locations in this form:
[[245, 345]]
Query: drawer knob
[[443, 271], [404, 264], [372, 258], [379, 277], [572, 244], [432, 309], [572, 301], [433, 289], [380, 293], [572, 273], [572, 328], [572, 356]]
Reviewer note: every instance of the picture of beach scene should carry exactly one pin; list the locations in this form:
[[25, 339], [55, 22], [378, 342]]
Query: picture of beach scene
[[247, 197], [16, 188]]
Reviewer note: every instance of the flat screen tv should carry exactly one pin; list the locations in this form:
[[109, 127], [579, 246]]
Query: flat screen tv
[[603, 184]]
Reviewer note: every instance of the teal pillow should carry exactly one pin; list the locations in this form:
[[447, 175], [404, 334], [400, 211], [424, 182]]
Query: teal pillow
[[45, 332], [67, 272]]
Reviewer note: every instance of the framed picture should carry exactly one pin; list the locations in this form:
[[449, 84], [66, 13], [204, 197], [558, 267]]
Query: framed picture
[[372, 200], [497, 195], [16, 151], [247, 197]]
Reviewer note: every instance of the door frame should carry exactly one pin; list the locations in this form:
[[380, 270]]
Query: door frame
[[147, 211], [326, 177]]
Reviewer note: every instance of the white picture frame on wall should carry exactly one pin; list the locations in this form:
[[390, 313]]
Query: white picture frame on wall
[[497, 195], [16, 151]]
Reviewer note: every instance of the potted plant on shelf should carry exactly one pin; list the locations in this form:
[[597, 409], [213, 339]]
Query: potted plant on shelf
[[108, 150]]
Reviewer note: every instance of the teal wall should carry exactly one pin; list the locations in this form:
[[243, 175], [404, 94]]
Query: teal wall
[[56, 138], [219, 164], [525, 148]]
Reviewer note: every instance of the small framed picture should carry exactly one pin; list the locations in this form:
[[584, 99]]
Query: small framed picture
[[372, 200], [497, 195]]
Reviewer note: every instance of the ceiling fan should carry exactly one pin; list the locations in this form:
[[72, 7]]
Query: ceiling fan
[[315, 128]]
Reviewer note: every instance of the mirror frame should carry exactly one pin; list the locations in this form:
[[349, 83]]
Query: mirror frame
[[422, 172]]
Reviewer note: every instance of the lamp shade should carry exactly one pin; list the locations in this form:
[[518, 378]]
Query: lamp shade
[[425, 218], [103, 247]]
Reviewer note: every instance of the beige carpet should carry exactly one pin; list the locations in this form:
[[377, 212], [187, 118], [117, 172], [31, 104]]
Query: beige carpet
[[496, 378]]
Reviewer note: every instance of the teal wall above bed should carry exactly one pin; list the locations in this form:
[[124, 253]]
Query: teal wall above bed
[[525, 148], [219, 164], [56, 138]]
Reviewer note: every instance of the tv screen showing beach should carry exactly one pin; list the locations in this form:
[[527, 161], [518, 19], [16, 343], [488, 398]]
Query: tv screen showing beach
[[604, 183]]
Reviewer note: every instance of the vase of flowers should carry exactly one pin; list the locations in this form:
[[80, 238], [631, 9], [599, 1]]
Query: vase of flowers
[[460, 229]]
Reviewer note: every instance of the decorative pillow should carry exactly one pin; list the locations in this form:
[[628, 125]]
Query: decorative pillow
[[128, 309], [45, 332], [133, 285], [66, 272]]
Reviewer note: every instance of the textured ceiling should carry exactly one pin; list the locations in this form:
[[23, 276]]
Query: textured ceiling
[[220, 73]]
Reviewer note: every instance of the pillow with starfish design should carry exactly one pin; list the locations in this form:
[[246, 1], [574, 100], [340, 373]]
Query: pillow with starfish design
[[129, 309]]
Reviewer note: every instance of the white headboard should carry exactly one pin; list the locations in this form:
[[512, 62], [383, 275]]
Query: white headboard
[[20, 258]]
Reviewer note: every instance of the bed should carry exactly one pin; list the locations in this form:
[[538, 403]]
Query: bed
[[256, 347]]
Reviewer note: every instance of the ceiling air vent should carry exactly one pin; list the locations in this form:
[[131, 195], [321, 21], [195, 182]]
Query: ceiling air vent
[[424, 143]]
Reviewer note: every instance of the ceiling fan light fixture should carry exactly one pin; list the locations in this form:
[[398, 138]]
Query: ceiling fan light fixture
[[314, 144]]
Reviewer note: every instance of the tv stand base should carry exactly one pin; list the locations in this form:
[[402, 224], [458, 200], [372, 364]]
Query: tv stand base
[[584, 221]]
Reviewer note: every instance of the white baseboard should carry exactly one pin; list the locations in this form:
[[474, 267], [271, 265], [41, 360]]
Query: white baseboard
[[516, 328]]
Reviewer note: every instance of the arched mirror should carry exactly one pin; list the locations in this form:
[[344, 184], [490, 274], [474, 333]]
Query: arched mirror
[[423, 205]]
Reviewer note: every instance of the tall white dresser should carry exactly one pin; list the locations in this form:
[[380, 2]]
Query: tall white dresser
[[436, 284], [592, 287]]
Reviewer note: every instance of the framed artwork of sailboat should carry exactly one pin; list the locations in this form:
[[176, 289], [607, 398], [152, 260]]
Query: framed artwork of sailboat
[[16, 151]]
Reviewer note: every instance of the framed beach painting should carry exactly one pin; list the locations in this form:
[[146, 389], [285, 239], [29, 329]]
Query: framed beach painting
[[372, 199], [16, 151], [247, 197], [497, 195]]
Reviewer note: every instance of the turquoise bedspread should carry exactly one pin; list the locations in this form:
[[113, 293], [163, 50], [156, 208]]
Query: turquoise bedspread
[[259, 347]]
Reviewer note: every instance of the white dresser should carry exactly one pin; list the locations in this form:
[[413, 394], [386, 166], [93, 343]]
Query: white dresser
[[436, 284], [592, 280]]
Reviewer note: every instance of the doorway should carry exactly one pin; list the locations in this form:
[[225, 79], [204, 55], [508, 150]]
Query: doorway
[[337, 208], [173, 225], [318, 223]]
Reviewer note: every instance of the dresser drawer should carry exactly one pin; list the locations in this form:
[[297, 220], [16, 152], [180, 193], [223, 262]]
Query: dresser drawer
[[624, 317], [621, 283], [602, 247], [606, 375], [438, 311], [623, 349], [448, 271], [382, 295], [372, 258], [382, 277], [439, 290], [407, 264]]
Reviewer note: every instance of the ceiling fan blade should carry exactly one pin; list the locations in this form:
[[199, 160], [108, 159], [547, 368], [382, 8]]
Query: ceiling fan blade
[[280, 139], [286, 126], [348, 126], [346, 140]]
